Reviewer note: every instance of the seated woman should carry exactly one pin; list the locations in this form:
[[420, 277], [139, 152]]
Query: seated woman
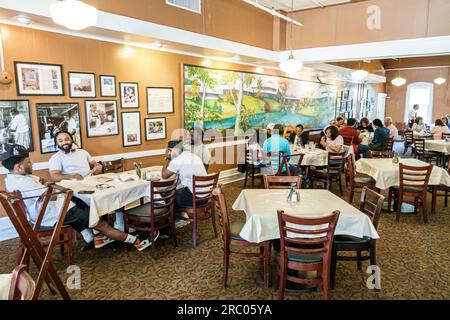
[[332, 141], [365, 125], [418, 127], [438, 129], [446, 121], [380, 134]]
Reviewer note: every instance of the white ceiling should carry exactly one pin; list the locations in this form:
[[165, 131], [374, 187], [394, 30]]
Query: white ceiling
[[299, 4]]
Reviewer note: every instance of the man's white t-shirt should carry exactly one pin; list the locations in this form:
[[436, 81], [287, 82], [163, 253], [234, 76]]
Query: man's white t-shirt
[[187, 165], [76, 161], [29, 186], [202, 152], [19, 124]]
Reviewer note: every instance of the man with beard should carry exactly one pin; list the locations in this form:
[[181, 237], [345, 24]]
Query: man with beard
[[20, 178], [69, 164]]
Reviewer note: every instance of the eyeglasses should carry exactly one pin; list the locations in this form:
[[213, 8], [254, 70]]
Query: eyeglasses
[[103, 186]]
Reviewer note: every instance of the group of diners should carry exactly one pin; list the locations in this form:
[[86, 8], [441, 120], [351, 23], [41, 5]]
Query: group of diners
[[182, 158]]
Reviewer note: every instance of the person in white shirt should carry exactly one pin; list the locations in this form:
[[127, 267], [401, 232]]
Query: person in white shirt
[[197, 147], [438, 129], [412, 115], [20, 178], [418, 127], [21, 129], [69, 163], [186, 165], [332, 142], [393, 129]]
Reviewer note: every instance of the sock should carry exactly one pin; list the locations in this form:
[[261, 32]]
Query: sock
[[87, 234], [130, 239], [119, 223]]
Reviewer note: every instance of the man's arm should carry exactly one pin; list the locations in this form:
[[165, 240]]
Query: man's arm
[[57, 176], [166, 173]]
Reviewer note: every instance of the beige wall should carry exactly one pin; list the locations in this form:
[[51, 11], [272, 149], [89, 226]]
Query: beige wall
[[227, 19], [347, 24], [395, 105]]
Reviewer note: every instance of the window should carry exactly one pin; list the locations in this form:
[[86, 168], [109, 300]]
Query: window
[[191, 5], [420, 93]]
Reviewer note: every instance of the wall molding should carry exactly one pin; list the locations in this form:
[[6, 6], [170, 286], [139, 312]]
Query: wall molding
[[7, 231]]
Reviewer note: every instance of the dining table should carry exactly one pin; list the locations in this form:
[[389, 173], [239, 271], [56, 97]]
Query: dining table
[[312, 156], [441, 146], [260, 207], [109, 192]]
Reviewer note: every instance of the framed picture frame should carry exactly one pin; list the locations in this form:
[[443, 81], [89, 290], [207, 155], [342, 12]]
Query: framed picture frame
[[155, 129], [131, 129], [38, 79], [107, 86], [101, 118], [82, 85], [16, 120], [54, 117], [160, 100], [129, 94]]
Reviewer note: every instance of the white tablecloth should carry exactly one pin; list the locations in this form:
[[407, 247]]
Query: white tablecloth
[[438, 146], [318, 157], [106, 201], [386, 174], [261, 207]]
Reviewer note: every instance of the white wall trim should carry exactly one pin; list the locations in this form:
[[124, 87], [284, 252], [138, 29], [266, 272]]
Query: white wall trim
[[8, 232]]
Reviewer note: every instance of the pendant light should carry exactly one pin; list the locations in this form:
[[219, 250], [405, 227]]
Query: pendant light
[[440, 80], [73, 14], [359, 74], [398, 81], [291, 65]]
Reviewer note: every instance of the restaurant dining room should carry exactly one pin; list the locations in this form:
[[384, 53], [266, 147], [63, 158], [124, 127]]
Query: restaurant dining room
[[219, 150]]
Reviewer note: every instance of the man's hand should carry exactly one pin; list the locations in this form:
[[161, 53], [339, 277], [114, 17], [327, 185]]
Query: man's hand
[[97, 169], [169, 154], [77, 176]]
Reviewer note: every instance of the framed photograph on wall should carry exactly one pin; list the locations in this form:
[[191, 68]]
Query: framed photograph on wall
[[101, 118], [108, 86], [15, 121], [82, 85], [55, 117], [38, 79], [155, 128], [131, 129], [129, 94], [159, 100]]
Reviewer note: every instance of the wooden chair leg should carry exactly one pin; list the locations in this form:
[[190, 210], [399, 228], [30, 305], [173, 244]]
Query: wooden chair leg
[[213, 219], [226, 262], [194, 230], [326, 282], [424, 208], [373, 253], [399, 206], [333, 267], [266, 263], [351, 193], [358, 260], [246, 176], [70, 247], [389, 201], [173, 232], [433, 199], [282, 280]]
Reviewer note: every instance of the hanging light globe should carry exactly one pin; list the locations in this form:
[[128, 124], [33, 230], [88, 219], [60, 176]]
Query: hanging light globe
[[398, 82], [359, 75], [74, 15], [440, 80], [291, 65]]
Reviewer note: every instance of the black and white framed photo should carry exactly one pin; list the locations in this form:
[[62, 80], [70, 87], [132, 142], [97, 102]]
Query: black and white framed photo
[[155, 128], [129, 94], [38, 79], [159, 100], [101, 118], [82, 85], [55, 117], [131, 129], [15, 124], [108, 86]]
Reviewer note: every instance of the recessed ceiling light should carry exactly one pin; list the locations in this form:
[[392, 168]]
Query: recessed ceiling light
[[127, 52], [23, 18]]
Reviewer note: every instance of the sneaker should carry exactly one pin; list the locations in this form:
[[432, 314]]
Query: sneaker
[[101, 241], [143, 244], [181, 223]]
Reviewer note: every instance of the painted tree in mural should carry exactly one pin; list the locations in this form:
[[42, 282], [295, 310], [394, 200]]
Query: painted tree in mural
[[237, 82], [201, 81], [282, 89]]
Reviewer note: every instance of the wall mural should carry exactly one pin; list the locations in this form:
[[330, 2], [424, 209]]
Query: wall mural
[[219, 99]]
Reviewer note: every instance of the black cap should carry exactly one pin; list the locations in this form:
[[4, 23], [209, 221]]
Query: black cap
[[175, 144], [12, 151]]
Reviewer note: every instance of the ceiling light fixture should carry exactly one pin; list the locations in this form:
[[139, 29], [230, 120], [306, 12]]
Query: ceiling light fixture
[[73, 14], [440, 80], [291, 65], [399, 81], [359, 75], [23, 18]]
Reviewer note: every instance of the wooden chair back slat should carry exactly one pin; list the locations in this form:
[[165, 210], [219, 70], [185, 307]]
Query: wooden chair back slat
[[371, 204], [282, 182], [222, 211], [412, 176]]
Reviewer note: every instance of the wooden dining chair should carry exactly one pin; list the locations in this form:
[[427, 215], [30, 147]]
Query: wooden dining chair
[[413, 184], [43, 259], [276, 164], [251, 167], [332, 172], [371, 204], [157, 214], [203, 207], [387, 149], [22, 284], [356, 182], [348, 140], [298, 167], [114, 166], [307, 248], [409, 141], [440, 191], [423, 154], [231, 238], [282, 182]]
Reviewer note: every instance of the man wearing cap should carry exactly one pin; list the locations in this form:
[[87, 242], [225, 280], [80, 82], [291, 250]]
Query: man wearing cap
[[276, 143], [20, 178], [186, 165]]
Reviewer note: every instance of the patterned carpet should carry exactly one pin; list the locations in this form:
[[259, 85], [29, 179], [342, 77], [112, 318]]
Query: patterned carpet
[[413, 257]]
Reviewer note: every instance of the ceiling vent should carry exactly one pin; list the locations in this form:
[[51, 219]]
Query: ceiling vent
[[191, 5]]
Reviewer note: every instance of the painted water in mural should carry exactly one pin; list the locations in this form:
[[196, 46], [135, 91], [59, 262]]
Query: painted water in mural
[[218, 99]]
